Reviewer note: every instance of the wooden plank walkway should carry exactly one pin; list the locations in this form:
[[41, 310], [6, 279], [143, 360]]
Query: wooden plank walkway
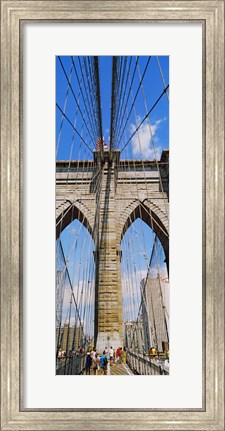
[[120, 369], [115, 370]]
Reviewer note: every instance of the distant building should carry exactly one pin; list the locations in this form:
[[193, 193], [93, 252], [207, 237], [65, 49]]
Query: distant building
[[73, 335], [155, 313], [134, 336], [78, 337], [60, 280]]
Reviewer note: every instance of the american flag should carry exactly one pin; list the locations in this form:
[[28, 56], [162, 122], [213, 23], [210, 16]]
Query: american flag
[[98, 144]]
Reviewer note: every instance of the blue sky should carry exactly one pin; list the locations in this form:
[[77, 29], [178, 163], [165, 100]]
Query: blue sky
[[71, 145], [153, 87]]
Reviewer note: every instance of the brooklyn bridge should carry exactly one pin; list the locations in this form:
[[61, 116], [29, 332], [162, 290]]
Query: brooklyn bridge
[[112, 215]]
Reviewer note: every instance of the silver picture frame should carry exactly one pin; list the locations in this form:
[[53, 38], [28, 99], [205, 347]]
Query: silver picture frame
[[13, 16]]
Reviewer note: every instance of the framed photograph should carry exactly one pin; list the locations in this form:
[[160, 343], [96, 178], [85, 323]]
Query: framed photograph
[[112, 200], [112, 215]]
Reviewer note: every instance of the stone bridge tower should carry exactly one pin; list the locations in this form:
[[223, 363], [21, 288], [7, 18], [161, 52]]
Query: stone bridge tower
[[107, 196]]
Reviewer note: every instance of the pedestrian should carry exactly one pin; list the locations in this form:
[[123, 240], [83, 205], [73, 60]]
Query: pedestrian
[[88, 363], [98, 363], [121, 355], [118, 355], [111, 355], [104, 362], [124, 355], [93, 353], [160, 365], [166, 363], [94, 361]]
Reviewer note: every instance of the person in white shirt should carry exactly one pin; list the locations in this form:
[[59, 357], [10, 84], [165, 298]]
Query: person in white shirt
[[94, 361], [93, 354], [111, 355]]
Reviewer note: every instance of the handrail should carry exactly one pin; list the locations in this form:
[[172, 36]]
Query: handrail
[[145, 365], [74, 365]]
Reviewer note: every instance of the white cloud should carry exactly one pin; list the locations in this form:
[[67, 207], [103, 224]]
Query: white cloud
[[136, 276], [83, 299], [106, 135], [141, 141], [161, 271]]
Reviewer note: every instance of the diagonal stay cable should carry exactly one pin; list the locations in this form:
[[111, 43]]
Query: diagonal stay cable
[[90, 86], [70, 283], [87, 90], [82, 94], [115, 95], [146, 116], [93, 80], [92, 63], [120, 110], [114, 61], [64, 110], [162, 76], [74, 128], [77, 103], [120, 84], [127, 99], [135, 97], [98, 97]]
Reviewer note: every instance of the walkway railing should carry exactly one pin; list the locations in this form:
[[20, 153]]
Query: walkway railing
[[138, 363], [74, 365], [144, 365]]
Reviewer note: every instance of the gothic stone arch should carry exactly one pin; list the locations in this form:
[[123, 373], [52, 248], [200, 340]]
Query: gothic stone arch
[[125, 186], [153, 216], [67, 211]]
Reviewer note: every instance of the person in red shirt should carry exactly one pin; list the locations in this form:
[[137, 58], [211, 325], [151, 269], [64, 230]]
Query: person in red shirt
[[118, 355]]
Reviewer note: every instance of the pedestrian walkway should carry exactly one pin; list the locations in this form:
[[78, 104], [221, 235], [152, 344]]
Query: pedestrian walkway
[[115, 370], [120, 369]]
